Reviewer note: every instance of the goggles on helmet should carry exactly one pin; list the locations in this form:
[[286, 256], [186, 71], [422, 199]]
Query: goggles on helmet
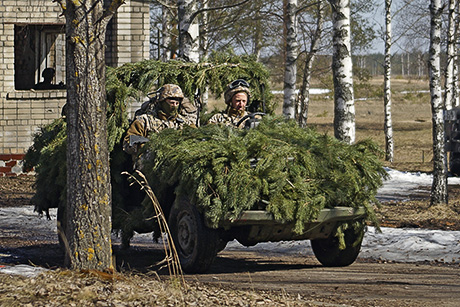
[[236, 83]]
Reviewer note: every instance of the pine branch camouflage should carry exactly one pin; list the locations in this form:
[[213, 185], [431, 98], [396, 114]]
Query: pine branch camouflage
[[298, 171], [222, 170]]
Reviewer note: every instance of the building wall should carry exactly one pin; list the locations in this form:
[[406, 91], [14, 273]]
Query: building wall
[[22, 112]]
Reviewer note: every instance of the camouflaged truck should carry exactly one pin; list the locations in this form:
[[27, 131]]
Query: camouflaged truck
[[198, 244]]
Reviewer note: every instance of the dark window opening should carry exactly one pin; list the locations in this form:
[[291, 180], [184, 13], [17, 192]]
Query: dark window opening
[[39, 56]]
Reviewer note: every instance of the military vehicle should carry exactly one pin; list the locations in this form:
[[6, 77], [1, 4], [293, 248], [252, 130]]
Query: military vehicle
[[198, 242]]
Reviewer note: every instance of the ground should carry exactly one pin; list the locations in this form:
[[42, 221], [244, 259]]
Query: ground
[[236, 278]]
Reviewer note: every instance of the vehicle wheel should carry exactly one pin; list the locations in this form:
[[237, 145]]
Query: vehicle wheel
[[196, 244], [327, 250]]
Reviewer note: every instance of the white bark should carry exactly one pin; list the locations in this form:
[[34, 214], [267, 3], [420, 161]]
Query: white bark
[[290, 73], [205, 48], [204, 35], [439, 186], [166, 30], [388, 126], [188, 31], [450, 86], [344, 108]]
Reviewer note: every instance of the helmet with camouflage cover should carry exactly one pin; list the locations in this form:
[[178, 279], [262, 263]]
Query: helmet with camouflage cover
[[166, 91], [234, 87]]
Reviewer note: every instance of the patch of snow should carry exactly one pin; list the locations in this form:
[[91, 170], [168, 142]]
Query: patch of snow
[[313, 91], [399, 184], [393, 244], [22, 269]]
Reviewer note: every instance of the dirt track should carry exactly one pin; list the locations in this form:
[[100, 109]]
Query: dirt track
[[361, 284]]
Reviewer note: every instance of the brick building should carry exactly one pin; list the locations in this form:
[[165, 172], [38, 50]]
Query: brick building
[[32, 39]]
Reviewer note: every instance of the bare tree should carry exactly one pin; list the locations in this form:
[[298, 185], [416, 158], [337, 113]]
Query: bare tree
[[439, 186], [88, 227], [388, 127], [304, 94], [344, 108], [167, 30], [290, 73]]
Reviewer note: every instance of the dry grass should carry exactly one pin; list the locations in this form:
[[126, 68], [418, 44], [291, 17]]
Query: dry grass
[[411, 117], [67, 288]]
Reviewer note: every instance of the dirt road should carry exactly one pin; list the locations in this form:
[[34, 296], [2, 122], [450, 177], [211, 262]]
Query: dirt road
[[363, 283]]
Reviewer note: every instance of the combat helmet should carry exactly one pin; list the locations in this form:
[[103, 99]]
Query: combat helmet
[[234, 87], [165, 92]]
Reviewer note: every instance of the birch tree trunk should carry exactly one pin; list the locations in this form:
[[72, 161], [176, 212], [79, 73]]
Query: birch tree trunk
[[166, 30], [439, 186], [290, 72], [450, 87], [258, 35], [205, 48], [304, 96], [455, 98], [188, 31], [388, 126], [344, 108], [88, 228]]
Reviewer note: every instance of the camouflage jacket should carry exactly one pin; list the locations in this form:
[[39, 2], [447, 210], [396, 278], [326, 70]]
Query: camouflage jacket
[[228, 119], [154, 122]]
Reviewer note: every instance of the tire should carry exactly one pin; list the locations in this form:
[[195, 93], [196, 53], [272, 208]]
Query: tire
[[327, 250], [196, 244]]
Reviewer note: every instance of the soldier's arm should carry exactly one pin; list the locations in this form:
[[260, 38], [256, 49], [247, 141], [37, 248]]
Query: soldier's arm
[[136, 128], [216, 119]]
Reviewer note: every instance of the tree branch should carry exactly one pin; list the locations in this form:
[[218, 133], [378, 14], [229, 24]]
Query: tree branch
[[61, 4], [110, 11], [169, 6], [217, 8]]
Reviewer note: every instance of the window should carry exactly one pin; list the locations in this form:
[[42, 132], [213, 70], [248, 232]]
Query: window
[[37, 48]]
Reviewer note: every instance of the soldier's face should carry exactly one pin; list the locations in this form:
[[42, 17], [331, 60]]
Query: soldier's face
[[173, 103], [170, 106], [239, 101]]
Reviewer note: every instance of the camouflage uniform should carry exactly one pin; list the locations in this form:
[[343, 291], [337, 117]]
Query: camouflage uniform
[[152, 118], [230, 117]]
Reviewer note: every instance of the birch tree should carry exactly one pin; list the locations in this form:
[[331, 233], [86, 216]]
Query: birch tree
[[188, 31], [290, 73], [450, 87], [166, 30], [344, 108], [304, 93], [388, 127], [88, 227], [439, 186]]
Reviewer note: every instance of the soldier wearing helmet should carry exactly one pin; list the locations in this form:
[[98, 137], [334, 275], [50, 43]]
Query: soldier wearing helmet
[[237, 96], [162, 111]]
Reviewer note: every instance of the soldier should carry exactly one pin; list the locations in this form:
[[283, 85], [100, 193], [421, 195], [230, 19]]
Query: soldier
[[237, 96], [162, 111]]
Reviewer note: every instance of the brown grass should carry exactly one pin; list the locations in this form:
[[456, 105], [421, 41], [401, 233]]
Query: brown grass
[[411, 117], [67, 288]]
